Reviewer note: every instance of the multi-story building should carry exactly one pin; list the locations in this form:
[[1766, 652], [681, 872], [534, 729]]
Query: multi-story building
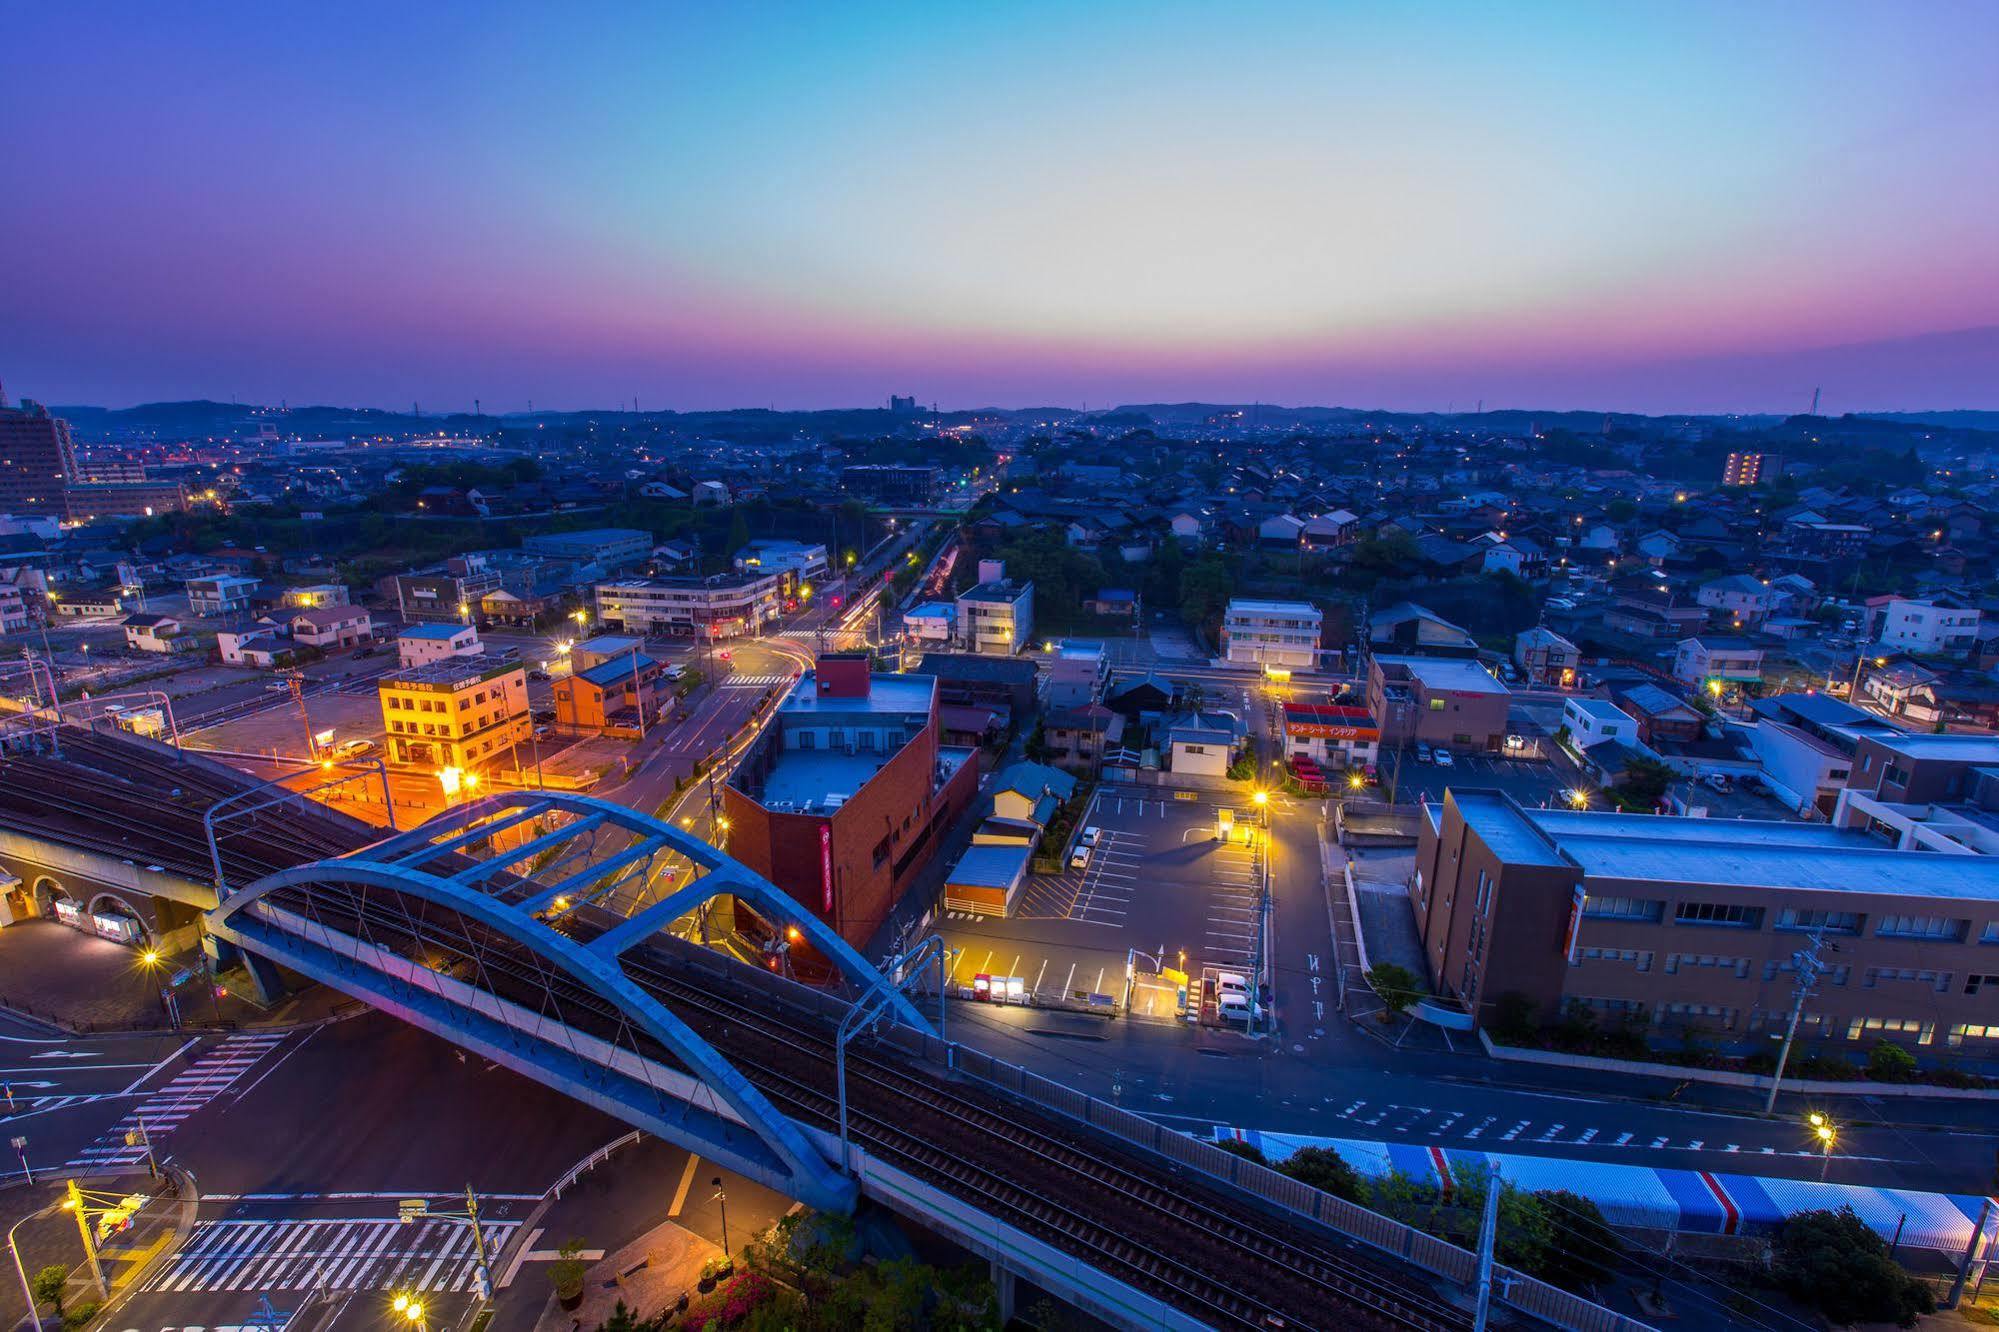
[[1330, 734], [1736, 601], [37, 460], [794, 562], [1689, 925], [13, 609], [1742, 469], [146, 632], [997, 616], [1450, 701], [706, 609], [893, 483], [1726, 660], [607, 548], [968, 680], [85, 501], [1278, 635], [1932, 627], [848, 795], [421, 644], [1544, 657], [317, 594], [220, 594], [329, 627], [447, 592], [613, 688], [463, 712]]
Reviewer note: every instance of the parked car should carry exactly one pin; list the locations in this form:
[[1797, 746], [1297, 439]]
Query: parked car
[[364, 651], [1080, 859], [1442, 757], [1231, 982], [1422, 751], [1718, 781], [1238, 1008], [349, 748], [1090, 836], [542, 715], [538, 675]]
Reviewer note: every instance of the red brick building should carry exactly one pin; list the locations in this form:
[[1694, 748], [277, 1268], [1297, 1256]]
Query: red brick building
[[849, 794]]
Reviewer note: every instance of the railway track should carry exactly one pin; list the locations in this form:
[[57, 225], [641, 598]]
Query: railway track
[[1174, 1234]]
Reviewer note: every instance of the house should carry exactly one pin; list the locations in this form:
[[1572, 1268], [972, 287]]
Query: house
[[145, 632], [710, 495], [1661, 717], [1544, 657], [612, 690], [253, 645], [330, 627], [1120, 601], [930, 625], [1280, 531], [1080, 737], [1939, 626], [1591, 721], [423, 643], [1199, 751], [1406, 627], [1331, 530], [1713, 662], [220, 594], [1737, 601], [1019, 788]]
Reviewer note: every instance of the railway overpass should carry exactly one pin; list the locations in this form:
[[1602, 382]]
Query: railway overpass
[[486, 927]]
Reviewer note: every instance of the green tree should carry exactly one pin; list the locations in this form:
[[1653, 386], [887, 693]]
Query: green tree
[[49, 1285], [1396, 985], [1205, 589], [1832, 1262], [1325, 1169], [1889, 1062], [739, 532], [1584, 1247], [1248, 1151], [1644, 782]]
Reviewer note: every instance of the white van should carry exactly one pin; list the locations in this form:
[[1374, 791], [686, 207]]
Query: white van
[[1231, 982]]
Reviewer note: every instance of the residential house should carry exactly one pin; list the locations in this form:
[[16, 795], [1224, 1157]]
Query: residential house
[[330, 627], [147, 632], [1713, 660], [1544, 657]]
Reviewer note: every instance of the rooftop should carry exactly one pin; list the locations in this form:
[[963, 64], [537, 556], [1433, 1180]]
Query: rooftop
[[888, 695], [451, 671], [441, 632], [1303, 610], [1004, 589], [1955, 748], [1460, 675], [990, 866]]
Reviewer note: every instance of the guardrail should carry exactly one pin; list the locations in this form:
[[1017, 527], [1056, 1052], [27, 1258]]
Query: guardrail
[[591, 1162]]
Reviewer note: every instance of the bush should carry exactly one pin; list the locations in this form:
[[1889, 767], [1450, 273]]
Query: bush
[[50, 1283], [1248, 1151], [567, 1271], [1832, 1262], [1889, 1062], [1512, 1018], [1829, 1068], [1396, 985], [1585, 1248], [1326, 1170], [81, 1315]]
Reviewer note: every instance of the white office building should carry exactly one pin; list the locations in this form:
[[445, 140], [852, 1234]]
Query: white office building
[[1282, 635]]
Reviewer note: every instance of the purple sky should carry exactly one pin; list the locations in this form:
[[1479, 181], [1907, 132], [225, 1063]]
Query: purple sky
[[1686, 207]]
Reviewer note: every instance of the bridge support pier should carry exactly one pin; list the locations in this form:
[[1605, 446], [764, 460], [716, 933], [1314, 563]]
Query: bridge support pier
[[264, 976], [1003, 1291], [222, 954]]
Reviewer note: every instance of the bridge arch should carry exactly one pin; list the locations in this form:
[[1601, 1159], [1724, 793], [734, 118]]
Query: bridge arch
[[280, 917]]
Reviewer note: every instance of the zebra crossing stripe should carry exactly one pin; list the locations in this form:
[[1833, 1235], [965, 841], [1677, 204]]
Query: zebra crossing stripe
[[343, 1254]]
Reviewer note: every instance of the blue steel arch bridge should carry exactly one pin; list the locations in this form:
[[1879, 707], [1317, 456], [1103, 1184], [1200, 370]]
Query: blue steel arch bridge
[[536, 929]]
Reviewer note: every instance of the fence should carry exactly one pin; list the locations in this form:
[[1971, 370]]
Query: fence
[[1346, 1220]]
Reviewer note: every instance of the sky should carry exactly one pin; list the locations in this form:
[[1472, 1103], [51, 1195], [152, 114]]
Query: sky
[[1664, 207]]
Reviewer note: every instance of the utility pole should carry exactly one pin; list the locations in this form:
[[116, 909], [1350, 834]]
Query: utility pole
[[76, 1204], [295, 681], [1808, 967], [478, 1243], [1488, 1245]]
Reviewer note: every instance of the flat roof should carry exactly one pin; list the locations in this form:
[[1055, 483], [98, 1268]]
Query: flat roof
[[806, 778], [1962, 748], [1600, 708], [1504, 827], [442, 632], [1252, 607], [1864, 867], [452, 670], [888, 695], [1460, 675], [1005, 590], [990, 867]]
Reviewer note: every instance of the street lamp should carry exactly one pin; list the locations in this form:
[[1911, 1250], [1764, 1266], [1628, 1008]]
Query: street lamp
[[410, 1307], [721, 1196], [1827, 1134]]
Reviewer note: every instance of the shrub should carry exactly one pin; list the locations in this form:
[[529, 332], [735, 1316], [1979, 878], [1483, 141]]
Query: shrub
[[731, 1303], [1396, 985], [1832, 1262], [1512, 1018], [49, 1283], [1585, 1248], [567, 1271], [1248, 1151], [1889, 1062], [1324, 1169]]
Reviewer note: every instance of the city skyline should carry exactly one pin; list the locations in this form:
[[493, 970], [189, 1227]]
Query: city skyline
[[1701, 210]]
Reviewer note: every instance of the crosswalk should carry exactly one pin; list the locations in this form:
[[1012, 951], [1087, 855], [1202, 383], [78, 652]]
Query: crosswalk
[[754, 681], [342, 1254], [161, 1112], [45, 1104]]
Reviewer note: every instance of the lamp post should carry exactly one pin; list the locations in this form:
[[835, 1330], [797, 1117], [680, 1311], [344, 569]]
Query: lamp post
[[410, 1307], [1827, 1133], [721, 1195], [27, 1291]]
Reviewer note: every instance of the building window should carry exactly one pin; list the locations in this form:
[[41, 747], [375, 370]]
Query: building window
[[1729, 914], [1623, 908], [1972, 1031], [1923, 1031], [1436, 705], [1974, 983], [1832, 922], [1923, 927]]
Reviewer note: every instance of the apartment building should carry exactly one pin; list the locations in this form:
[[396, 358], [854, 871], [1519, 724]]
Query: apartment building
[[1689, 925], [607, 548], [1729, 660], [997, 616], [794, 562], [1276, 635], [465, 713], [1938, 627], [220, 594], [722, 606], [421, 644], [330, 627]]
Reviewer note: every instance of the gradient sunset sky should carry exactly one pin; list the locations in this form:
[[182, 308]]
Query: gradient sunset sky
[[1669, 207]]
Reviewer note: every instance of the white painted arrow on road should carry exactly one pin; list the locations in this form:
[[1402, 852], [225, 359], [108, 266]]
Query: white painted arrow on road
[[65, 1054]]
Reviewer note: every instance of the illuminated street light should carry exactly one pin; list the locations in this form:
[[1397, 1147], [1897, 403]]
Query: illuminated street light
[[1579, 798], [1827, 1133], [450, 779]]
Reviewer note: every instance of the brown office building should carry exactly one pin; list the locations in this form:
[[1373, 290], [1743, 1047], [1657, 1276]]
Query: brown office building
[[37, 460], [1689, 925], [1453, 702], [849, 795]]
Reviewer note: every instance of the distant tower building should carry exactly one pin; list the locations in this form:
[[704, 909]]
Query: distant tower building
[[902, 406], [37, 460], [1742, 469]]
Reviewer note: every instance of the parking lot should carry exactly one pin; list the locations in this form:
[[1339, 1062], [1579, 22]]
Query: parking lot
[[1158, 883]]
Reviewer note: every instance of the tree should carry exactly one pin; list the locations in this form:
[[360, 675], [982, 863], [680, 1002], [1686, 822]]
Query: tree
[[1248, 1151], [1395, 984], [49, 1284], [1889, 1062], [739, 532], [1644, 782], [566, 1273], [1585, 1248], [1325, 1169], [1832, 1262]]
